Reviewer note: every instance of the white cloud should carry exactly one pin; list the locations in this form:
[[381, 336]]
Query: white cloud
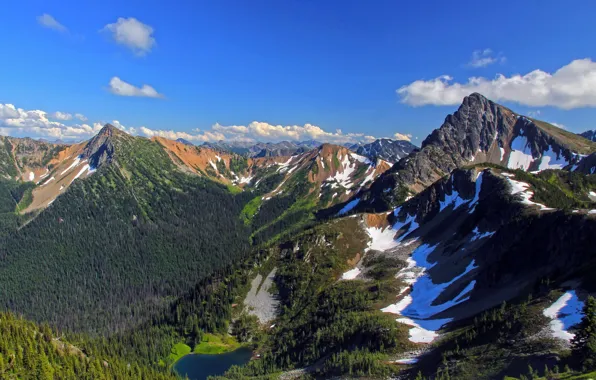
[[262, 131], [47, 21], [483, 58], [232, 129], [38, 123], [80, 116], [400, 136], [61, 116], [122, 88], [17, 121], [571, 86], [133, 34], [174, 135]]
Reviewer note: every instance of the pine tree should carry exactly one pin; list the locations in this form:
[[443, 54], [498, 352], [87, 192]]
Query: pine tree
[[584, 342]]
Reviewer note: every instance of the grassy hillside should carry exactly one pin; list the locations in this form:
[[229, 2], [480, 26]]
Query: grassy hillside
[[570, 140]]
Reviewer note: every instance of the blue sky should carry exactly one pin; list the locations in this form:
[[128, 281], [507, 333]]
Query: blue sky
[[299, 69]]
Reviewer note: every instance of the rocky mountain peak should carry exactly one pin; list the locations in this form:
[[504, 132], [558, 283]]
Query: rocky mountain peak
[[100, 149], [479, 131]]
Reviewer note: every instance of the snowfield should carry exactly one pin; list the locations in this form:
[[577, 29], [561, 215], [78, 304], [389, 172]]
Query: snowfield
[[348, 207], [550, 160], [74, 164], [521, 188], [521, 154], [564, 313], [351, 274]]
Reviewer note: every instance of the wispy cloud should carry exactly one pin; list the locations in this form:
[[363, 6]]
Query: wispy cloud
[[401, 136], [571, 86], [122, 88], [48, 21], [133, 34], [483, 58]]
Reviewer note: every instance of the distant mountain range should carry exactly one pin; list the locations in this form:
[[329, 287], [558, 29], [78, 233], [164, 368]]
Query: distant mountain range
[[590, 135], [326, 258], [385, 149]]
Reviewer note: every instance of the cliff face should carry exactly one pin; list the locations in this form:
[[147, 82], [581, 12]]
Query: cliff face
[[479, 131]]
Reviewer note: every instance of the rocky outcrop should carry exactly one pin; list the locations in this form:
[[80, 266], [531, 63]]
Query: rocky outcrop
[[20, 157], [100, 149], [385, 149], [480, 131]]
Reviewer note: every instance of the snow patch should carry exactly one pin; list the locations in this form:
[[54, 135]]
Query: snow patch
[[344, 177], [48, 181], [351, 274], [451, 199], [564, 313], [83, 170], [521, 188], [407, 361], [477, 194], [521, 154], [31, 176], [360, 158], [550, 160], [76, 162], [480, 235], [349, 206], [213, 165], [418, 307], [246, 179]]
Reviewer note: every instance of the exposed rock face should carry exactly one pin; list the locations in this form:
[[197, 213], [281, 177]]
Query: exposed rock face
[[19, 157], [385, 149], [473, 231], [100, 149], [587, 165], [480, 131]]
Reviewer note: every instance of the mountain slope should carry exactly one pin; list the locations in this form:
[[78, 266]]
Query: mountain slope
[[308, 182], [121, 240], [590, 135], [28, 351], [25, 159], [439, 267], [480, 131]]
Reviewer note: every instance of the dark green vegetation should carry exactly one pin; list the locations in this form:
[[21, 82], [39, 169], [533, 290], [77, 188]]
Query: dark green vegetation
[[335, 327], [28, 351], [106, 255], [13, 196], [287, 212], [558, 189]]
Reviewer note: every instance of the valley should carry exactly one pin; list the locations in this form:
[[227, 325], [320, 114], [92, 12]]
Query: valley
[[469, 257]]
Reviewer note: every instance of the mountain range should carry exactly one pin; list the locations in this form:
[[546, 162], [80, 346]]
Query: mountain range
[[468, 258]]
